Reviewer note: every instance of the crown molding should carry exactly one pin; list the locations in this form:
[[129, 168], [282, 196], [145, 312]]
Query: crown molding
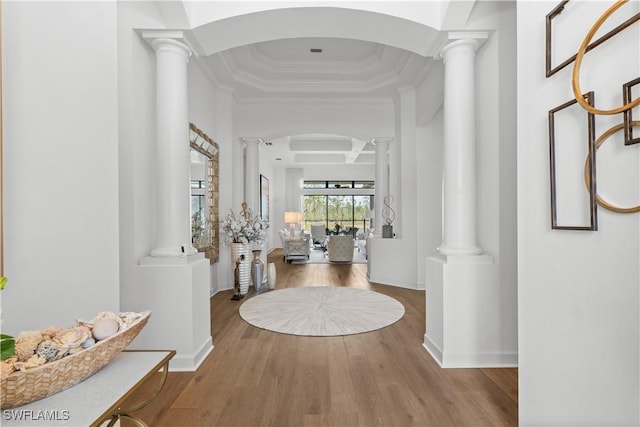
[[313, 100]]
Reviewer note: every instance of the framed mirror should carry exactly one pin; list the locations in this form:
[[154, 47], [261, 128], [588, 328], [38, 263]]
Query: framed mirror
[[205, 216]]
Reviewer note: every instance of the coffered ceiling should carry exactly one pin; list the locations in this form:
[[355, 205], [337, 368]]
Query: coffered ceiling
[[366, 62], [365, 52], [317, 68]]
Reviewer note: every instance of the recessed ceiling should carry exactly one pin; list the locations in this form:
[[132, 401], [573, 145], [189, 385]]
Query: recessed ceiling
[[287, 68], [333, 50], [345, 69], [317, 149]]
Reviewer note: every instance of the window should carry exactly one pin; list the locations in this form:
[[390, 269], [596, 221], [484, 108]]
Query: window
[[348, 211], [314, 185], [345, 203]]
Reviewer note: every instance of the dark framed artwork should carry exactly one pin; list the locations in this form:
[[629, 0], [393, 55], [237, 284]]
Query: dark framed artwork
[[573, 198], [264, 199], [552, 69], [627, 97]]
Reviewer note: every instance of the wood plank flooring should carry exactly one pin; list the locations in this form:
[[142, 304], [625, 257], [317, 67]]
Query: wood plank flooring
[[383, 378]]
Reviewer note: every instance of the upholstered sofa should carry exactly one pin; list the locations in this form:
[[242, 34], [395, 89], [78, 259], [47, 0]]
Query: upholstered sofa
[[340, 248]]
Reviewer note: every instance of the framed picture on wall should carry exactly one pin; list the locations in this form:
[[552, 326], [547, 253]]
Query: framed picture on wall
[[264, 199], [565, 45], [572, 178], [629, 123]]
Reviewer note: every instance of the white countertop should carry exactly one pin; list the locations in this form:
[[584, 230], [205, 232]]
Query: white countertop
[[87, 402]]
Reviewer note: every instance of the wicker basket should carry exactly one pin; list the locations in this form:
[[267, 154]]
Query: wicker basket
[[21, 388]]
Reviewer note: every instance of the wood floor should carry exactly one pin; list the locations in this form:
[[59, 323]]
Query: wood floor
[[384, 378]]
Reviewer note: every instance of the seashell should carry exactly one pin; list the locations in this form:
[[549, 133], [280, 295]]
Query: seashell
[[32, 362], [26, 344], [51, 332], [48, 350], [104, 328], [71, 337], [75, 349], [105, 315], [127, 318], [88, 342], [6, 366], [108, 315]]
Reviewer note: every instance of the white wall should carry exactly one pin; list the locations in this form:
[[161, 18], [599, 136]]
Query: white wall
[[578, 290], [60, 162], [136, 143], [429, 193], [496, 155], [358, 119], [267, 169], [203, 113], [495, 190], [229, 197]]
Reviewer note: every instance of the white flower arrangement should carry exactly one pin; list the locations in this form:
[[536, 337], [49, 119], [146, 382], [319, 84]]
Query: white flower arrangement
[[243, 228]]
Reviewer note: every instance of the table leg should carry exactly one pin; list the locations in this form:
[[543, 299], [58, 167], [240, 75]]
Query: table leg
[[126, 413]]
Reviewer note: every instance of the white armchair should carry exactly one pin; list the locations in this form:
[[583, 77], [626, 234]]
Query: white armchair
[[340, 248], [319, 236], [362, 241], [294, 248]]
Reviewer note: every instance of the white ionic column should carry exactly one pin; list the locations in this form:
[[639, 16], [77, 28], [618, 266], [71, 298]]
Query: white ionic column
[[459, 157], [173, 212], [252, 174], [382, 182]]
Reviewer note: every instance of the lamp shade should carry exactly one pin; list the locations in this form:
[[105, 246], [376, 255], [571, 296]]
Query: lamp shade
[[290, 217]]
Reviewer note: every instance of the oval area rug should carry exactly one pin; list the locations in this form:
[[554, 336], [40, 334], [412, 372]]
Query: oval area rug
[[321, 311]]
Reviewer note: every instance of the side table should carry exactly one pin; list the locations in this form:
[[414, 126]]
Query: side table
[[98, 399]]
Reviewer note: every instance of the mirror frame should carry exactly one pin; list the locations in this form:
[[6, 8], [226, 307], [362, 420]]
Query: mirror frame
[[203, 144]]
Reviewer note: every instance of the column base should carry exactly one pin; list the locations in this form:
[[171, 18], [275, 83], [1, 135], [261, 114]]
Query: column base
[[171, 260], [178, 296], [448, 250], [464, 316], [173, 251]]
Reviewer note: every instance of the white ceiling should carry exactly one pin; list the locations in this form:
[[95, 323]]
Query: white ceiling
[[370, 52], [345, 69]]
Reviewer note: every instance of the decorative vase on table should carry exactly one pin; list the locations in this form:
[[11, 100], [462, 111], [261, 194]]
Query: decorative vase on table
[[244, 267], [257, 271]]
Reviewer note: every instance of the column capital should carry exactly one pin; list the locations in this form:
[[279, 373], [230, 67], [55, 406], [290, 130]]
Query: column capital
[[168, 40], [381, 140], [251, 140], [472, 40]]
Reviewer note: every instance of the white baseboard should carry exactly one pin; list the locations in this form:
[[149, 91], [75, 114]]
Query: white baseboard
[[390, 281], [477, 360], [433, 349], [191, 362]]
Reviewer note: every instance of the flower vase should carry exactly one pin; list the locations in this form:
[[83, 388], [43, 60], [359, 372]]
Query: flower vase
[[271, 275], [244, 266], [257, 271]]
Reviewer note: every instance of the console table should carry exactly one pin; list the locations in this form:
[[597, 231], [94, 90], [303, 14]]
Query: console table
[[96, 401]]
